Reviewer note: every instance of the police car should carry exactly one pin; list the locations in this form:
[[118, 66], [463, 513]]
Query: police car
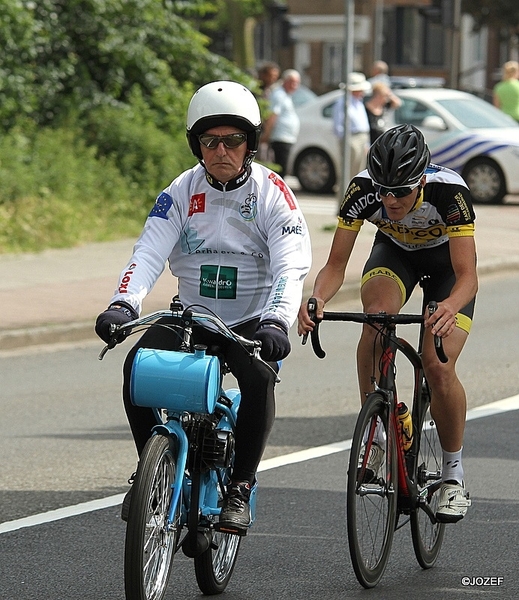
[[464, 133]]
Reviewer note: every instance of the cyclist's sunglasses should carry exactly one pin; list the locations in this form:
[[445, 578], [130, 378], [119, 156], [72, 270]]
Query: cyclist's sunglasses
[[232, 140], [397, 192]]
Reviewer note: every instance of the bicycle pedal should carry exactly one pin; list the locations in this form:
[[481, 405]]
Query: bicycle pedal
[[229, 528]]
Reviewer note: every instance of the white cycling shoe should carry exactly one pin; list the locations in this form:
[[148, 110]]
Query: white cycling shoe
[[374, 462], [453, 503]]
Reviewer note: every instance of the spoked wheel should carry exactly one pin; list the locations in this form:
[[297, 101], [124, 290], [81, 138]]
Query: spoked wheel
[[150, 543], [214, 567], [371, 495], [426, 532]]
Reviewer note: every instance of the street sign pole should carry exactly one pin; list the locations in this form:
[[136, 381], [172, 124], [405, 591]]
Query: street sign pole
[[349, 16]]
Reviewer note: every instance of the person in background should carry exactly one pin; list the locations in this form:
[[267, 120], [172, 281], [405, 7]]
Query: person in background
[[506, 92], [379, 106], [379, 73], [268, 75], [281, 128], [268, 78], [237, 241], [358, 120]]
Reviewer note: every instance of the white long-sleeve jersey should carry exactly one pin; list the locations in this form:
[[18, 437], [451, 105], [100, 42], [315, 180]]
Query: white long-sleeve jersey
[[241, 249]]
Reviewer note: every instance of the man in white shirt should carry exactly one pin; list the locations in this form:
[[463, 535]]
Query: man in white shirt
[[281, 128], [236, 240], [358, 86]]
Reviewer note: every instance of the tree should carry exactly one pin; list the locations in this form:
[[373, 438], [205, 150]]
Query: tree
[[235, 17], [240, 17], [68, 55], [17, 34]]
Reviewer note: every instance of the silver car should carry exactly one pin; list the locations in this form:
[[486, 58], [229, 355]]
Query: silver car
[[464, 133]]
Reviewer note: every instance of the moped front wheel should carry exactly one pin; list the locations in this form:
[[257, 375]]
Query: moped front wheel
[[151, 542]]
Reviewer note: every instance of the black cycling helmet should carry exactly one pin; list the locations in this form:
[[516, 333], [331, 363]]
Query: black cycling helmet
[[224, 103], [398, 157]]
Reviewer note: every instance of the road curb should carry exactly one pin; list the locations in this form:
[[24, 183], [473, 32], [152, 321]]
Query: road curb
[[12, 339], [56, 333]]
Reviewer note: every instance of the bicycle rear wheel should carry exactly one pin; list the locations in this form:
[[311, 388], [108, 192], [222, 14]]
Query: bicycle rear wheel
[[150, 543], [371, 495], [214, 567], [427, 533]]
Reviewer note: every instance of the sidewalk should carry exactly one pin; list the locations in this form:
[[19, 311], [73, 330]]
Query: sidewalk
[[55, 296]]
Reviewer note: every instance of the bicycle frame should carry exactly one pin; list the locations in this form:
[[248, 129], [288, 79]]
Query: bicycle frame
[[202, 482], [408, 495], [207, 494], [384, 480]]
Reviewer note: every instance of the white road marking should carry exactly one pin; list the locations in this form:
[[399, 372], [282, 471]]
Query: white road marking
[[498, 407]]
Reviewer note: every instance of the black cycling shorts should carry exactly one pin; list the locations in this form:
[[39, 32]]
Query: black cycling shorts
[[407, 267]]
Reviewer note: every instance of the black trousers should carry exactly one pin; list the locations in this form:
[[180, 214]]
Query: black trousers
[[256, 382], [281, 151]]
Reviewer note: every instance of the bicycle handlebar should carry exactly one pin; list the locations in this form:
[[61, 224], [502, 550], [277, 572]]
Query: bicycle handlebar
[[186, 317], [381, 318]]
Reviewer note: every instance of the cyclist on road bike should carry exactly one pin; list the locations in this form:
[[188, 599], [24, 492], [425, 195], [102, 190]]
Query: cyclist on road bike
[[425, 223], [237, 241]]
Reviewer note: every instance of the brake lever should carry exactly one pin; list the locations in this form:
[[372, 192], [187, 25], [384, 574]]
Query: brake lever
[[314, 333], [438, 344], [311, 308], [112, 343]]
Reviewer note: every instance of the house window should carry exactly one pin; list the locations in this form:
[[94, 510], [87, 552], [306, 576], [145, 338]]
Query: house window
[[332, 63], [333, 70], [417, 37]]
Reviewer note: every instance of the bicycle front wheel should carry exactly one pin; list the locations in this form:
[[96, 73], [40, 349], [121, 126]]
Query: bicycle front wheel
[[214, 567], [150, 542], [371, 495], [427, 533]]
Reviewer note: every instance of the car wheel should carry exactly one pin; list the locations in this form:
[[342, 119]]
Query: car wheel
[[315, 171], [486, 181]]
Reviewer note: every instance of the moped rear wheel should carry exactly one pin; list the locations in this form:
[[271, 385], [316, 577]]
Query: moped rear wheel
[[214, 567], [151, 542]]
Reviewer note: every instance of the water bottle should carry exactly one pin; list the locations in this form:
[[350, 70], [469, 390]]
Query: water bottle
[[406, 426]]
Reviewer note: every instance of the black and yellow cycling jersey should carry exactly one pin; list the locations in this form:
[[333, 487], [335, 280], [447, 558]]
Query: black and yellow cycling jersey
[[415, 246], [443, 210]]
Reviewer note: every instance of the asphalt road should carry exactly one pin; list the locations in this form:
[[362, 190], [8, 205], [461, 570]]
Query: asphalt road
[[64, 440], [297, 549]]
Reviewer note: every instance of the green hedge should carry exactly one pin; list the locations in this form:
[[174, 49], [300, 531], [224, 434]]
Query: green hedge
[[59, 191]]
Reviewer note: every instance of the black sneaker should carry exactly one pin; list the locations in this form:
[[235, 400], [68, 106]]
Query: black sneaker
[[235, 516], [125, 508]]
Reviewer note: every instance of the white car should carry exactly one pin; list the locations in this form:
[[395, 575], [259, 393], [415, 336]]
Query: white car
[[463, 132]]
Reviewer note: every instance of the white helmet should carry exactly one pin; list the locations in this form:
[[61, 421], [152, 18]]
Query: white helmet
[[224, 103]]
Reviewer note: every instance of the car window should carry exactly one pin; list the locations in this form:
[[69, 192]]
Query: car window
[[476, 113], [303, 95], [413, 112], [328, 110]]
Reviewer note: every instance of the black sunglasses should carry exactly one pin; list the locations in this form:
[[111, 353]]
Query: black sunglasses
[[397, 192], [232, 140]]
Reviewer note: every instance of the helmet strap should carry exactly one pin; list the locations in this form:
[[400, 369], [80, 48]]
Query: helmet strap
[[419, 188]]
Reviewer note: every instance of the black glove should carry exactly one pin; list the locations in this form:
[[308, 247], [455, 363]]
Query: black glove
[[273, 336], [116, 314]]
